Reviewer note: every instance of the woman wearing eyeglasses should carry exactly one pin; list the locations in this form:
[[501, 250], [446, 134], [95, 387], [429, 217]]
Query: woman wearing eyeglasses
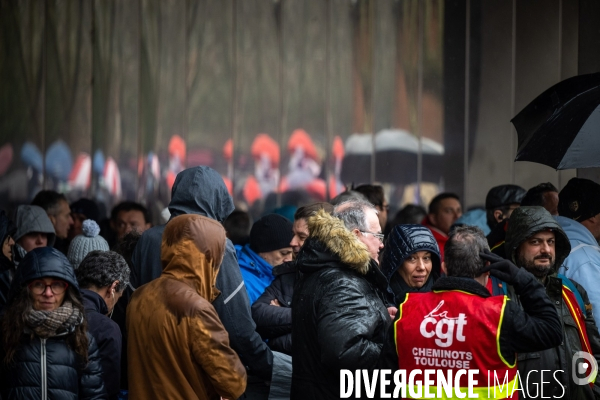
[[411, 260], [46, 351]]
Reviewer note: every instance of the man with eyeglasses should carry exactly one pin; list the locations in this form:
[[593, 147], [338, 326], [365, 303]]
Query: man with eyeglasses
[[339, 314], [376, 196], [361, 218]]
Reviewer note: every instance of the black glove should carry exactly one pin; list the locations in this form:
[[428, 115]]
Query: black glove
[[500, 268]]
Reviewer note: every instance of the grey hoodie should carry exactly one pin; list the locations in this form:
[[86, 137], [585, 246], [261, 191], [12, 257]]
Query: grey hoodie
[[201, 190], [526, 221], [34, 219]]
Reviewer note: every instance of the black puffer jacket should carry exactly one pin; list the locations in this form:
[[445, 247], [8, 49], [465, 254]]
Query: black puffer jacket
[[403, 241], [49, 368], [339, 319], [275, 322], [523, 223], [7, 267]]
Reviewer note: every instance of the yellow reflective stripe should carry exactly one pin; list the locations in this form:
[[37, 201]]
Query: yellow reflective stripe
[[581, 335], [481, 392], [398, 321], [497, 245], [498, 336], [453, 290], [574, 314]]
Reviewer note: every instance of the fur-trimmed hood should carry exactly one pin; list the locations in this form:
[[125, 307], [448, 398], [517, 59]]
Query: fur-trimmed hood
[[331, 244]]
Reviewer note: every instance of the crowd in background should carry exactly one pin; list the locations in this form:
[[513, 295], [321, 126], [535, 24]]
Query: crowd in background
[[213, 304]]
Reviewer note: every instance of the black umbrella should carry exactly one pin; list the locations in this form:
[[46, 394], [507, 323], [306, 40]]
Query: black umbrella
[[561, 127]]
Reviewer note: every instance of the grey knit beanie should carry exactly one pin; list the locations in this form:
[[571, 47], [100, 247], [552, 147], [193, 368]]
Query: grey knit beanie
[[89, 241]]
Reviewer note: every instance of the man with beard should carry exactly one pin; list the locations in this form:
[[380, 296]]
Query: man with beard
[[536, 242]]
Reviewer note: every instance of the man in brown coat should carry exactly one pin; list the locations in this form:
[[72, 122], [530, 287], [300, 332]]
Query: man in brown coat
[[178, 348]]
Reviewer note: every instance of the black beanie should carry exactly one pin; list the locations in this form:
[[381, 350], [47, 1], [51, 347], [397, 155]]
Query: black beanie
[[271, 232], [579, 199]]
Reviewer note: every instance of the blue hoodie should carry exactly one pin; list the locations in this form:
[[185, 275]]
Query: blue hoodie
[[583, 263], [257, 273]]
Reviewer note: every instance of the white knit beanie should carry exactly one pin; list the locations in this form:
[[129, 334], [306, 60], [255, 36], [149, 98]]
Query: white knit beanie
[[89, 241]]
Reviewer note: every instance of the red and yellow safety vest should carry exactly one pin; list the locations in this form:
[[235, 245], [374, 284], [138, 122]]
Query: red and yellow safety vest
[[454, 330], [576, 312]]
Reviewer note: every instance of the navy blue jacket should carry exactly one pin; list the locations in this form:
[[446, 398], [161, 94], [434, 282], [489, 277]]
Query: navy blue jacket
[[65, 375], [403, 241], [275, 323], [7, 267], [108, 337]]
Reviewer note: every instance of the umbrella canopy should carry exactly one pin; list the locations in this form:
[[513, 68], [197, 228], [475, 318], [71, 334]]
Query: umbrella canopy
[[301, 139], [80, 175], [6, 156], [112, 178], [561, 127], [59, 161], [396, 157], [32, 157], [98, 162], [263, 144], [177, 147]]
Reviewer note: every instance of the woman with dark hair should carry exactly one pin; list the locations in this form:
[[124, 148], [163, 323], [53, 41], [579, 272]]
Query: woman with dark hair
[[411, 261], [46, 351]]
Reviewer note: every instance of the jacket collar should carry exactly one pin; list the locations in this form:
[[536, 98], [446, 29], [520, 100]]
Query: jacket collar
[[468, 285], [287, 267], [250, 260], [92, 301]]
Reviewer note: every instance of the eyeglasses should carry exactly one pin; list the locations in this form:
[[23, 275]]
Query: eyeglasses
[[379, 236], [39, 287]]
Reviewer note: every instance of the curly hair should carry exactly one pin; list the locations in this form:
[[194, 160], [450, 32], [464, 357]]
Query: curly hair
[[13, 325], [101, 268]]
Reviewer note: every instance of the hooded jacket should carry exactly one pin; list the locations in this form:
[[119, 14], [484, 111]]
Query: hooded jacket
[[178, 347], [525, 222], [403, 241], [32, 219], [64, 377], [339, 319], [201, 191], [256, 271], [583, 263], [7, 268]]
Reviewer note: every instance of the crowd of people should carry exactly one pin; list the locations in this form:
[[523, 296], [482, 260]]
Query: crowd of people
[[212, 305]]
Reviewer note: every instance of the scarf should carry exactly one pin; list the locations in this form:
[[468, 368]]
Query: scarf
[[47, 324]]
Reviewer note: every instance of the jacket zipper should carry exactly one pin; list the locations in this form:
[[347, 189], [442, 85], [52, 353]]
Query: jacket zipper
[[44, 383]]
